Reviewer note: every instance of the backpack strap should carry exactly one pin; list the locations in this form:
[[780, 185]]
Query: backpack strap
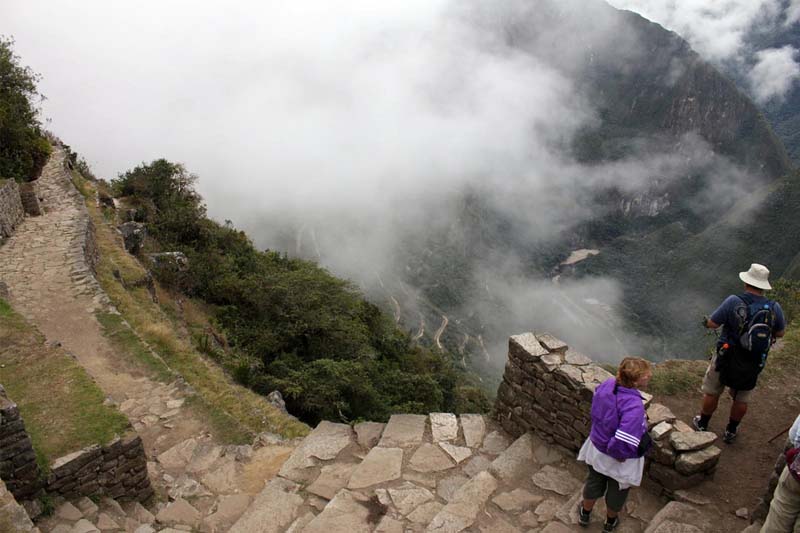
[[748, 300]]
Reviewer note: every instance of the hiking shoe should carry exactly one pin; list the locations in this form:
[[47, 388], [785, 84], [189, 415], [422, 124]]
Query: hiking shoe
[[729, 437], [696, 424], [584, 516], [610, 525]]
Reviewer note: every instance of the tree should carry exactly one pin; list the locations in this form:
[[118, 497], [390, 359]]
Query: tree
[[23, 149]]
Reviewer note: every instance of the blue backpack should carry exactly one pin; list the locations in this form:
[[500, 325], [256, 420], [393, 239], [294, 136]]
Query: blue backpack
[[757, 320]]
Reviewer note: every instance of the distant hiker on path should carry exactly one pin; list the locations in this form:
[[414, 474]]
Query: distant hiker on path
[[614, 451], [784, 509], [750, 325]]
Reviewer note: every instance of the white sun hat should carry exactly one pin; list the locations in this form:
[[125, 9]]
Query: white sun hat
[[757, 276]]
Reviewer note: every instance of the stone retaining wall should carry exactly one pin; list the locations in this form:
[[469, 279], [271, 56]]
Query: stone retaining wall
[[13, 518], [117, 470], [30, 199], [91, 253], [548, 388], [18, 467], [11, 210]]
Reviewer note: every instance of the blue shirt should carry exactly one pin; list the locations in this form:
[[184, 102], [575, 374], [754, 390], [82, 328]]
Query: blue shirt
[[733, 312]]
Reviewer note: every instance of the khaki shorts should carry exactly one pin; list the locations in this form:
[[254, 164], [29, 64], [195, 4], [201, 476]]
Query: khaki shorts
[[712, 385]]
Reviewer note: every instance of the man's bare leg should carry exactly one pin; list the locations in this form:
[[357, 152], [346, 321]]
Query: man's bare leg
[[710, 403], [738, 410]]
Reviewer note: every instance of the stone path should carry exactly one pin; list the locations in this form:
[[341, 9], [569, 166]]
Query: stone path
[[437, 473], [50, 283]]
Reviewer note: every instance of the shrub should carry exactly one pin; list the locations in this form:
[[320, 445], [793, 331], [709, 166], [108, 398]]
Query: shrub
[[23, 148]]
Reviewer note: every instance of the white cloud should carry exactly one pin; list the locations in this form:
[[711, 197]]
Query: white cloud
[[363, 122], [774, 73], [793, 12], [717, 30]]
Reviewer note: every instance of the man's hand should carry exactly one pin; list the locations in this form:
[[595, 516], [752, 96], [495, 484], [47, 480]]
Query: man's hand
[[708, 323]]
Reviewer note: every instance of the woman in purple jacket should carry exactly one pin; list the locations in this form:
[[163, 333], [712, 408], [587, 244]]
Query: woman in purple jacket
[[614, 451]]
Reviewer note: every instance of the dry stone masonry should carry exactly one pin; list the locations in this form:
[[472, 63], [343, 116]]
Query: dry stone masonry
[[13, 517], [30, 199], [18, 467], [11, 210], [117, 470], [547, 388]]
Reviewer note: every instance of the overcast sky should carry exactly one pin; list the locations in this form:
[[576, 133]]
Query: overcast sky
[[359, 119]]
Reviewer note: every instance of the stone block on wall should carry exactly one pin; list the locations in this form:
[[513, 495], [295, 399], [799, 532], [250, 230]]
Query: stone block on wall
[[548, 388], [30, 199], [11, 211], [18, 466], [118, 469]]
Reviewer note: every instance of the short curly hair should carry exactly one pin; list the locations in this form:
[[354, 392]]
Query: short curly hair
[[631, 370]]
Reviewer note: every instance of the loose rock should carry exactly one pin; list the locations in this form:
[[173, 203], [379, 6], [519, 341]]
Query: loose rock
[[696, 440]]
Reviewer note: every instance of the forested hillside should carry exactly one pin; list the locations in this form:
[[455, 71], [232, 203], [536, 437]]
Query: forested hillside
[[290, 325], [675, 241]]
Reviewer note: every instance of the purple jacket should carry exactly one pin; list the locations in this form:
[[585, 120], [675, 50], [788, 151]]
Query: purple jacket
[[618, 420]]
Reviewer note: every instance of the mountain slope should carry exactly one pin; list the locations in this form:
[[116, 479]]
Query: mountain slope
[[673, 244]]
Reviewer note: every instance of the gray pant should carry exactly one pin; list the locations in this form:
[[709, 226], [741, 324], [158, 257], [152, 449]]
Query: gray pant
[[598, 485]]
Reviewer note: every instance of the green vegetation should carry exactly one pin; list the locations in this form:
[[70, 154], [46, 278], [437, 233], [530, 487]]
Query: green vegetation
[[787, 293], [62, 407], [676, 377], [289, 324], [23, 148], [157, 343], [130, 348]]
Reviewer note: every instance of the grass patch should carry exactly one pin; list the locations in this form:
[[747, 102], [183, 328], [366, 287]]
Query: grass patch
[[235, 412], [61, 405], [673, 377], [5, 308], [82, 184], [128, 345], [677, 377], [783, 362]]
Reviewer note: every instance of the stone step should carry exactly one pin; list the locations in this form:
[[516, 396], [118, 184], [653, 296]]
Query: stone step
[[414, 475]]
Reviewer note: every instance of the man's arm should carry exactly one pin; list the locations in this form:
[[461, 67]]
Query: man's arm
[[721, 313]]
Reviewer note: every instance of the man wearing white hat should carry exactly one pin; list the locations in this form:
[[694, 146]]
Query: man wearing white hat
[[750, 325]]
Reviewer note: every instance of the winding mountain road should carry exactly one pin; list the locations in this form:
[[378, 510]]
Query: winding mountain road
[[437, 337]]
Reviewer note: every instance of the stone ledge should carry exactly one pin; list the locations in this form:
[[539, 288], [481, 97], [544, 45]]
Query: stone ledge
[[118, 469], [548, 388]]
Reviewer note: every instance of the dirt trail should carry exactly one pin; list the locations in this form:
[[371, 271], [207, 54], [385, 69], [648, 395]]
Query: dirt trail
[[50, 284], [745, 466]]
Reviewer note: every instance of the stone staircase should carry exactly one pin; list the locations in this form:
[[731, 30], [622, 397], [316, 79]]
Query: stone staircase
[[437, 473]]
